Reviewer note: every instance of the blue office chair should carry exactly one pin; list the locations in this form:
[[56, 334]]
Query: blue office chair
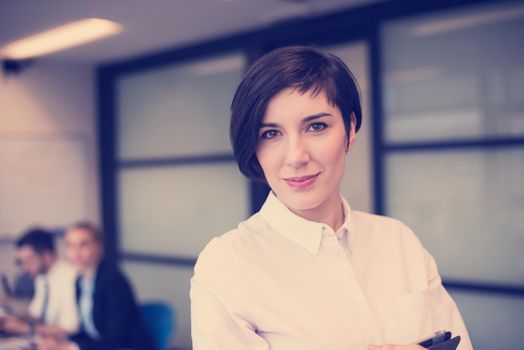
[[159, 319]]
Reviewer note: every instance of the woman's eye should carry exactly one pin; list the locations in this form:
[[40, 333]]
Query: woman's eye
[[270, 134], [317, 126]]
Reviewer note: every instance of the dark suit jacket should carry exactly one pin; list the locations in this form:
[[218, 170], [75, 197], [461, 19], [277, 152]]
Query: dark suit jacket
[[115, 314]]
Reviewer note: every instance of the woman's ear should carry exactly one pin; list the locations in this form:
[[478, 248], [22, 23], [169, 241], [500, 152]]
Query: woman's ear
[[352, 133]]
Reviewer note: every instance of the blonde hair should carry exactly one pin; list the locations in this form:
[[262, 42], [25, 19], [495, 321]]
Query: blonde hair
[[94, 230]]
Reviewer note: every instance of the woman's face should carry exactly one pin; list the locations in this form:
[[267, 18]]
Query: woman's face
[[302, 147], [82, 250]]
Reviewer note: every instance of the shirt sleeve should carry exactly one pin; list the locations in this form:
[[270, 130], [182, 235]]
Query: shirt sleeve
[[68, 318], [446, 314], [213, 327], [35, 307]]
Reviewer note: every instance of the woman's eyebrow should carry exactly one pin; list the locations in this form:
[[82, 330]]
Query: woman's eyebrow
[[268, 125], [305, 120], [316, 116]]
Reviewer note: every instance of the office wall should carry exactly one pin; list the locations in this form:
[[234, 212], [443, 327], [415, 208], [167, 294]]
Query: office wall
[[48, 152]]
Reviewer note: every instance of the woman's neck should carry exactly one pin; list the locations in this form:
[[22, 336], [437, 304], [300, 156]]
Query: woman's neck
[[330, 212], [89, 272]]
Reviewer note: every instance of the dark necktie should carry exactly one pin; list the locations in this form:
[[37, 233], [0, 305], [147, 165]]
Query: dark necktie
[[45, 301]]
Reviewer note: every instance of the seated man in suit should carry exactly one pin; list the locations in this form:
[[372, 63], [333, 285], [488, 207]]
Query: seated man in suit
[[109, 316], [53, 304]]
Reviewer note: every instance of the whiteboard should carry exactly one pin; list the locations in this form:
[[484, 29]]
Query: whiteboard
[[43, 181]]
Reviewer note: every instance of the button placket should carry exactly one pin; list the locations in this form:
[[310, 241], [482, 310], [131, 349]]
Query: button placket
[[330, 242], [355, 302]]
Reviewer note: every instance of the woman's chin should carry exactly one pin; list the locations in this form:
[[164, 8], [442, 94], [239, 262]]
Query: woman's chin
[[301, 201]]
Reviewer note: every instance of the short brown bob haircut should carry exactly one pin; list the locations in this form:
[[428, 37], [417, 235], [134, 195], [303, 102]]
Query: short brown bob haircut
[[302, 68]]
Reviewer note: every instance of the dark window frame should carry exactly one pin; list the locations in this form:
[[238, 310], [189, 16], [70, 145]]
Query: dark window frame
[[360, 24]]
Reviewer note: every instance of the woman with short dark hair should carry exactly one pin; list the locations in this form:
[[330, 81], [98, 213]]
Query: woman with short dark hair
[[303, 69], [306, 271]]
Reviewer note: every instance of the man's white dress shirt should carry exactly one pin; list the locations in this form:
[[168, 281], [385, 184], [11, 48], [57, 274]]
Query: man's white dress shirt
[[281, 282], [55, 301], [85, 306]]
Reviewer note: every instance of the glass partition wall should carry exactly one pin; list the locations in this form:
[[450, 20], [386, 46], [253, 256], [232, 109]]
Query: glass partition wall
[[178, 184], [453, 122], [441, 148]]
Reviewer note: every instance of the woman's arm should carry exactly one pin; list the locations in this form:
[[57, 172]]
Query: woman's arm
[[447, 315], [395, 347], [213, 327]]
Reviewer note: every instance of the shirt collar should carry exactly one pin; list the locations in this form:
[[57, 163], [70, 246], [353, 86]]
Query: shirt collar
[[88, 282], [305, 233], [53, 270], [347, 214]]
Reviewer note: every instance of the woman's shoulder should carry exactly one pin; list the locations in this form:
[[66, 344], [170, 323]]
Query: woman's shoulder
[[109, 274], [361, 217], [389, 238], [383, 227], [230, 246]]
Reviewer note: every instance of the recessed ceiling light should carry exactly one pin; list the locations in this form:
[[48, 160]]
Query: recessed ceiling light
[[60, 38]]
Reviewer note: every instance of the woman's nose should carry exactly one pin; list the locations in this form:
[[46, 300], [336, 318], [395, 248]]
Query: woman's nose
[[297, 153]]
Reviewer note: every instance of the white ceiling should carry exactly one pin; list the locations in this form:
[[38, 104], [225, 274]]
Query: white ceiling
[[154, 25]]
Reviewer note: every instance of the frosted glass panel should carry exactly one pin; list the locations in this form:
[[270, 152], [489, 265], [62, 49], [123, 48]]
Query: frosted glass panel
[[178, 110], [169, 284], [467, 207], [493, 321], [455, 75], [177, 210]]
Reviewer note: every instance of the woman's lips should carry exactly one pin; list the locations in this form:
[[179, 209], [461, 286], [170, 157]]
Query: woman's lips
[[301, 181]]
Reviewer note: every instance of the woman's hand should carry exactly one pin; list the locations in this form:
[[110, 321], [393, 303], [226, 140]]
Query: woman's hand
[[53, 331], [395, 347], [51, 343], [14, 325]]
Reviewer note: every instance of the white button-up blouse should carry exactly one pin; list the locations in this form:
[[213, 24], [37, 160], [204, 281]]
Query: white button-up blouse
[[281, 282]]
